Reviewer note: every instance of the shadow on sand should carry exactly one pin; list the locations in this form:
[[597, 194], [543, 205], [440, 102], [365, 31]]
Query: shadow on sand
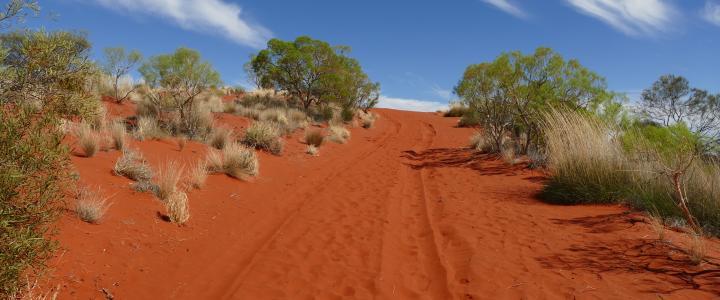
[[670, 264]]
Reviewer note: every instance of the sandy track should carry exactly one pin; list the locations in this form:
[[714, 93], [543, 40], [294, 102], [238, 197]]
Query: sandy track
[[401, 212]]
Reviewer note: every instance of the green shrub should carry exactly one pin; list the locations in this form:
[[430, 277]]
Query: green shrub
[[469, 119], [456, 110], [45, 79]]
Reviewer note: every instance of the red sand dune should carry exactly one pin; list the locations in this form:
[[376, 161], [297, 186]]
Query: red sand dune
[[403, 211]]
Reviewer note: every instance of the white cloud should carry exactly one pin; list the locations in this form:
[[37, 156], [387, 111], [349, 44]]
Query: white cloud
[[410, 104], [508, 7], [632, 17], [208, 16], [711, 12]]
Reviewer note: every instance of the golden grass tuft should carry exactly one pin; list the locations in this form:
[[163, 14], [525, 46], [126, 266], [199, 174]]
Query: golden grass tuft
[[148, 128], [133, 166], [118, 135], [91, 206], [198, 175], [697, 249], [182, 142], [339, 134], [312, 150], [177, 207], [168, 177], [264, 135], [239, 161], [220, 137], [88, 140]]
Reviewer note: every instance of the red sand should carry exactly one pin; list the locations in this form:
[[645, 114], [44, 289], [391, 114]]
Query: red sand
[[402, 211]]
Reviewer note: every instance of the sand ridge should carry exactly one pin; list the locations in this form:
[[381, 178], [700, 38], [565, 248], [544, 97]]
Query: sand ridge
[[403, 211]]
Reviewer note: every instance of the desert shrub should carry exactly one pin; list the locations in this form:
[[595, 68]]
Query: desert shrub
[[312, 150], [144, 187], [480, 142], [167, 178], [263, 135], [88, 140], [196, 123], [146, 108], [133, 166], [239, 161], [118, 134], [338, 134], [347, 114], [314, 137], [198, 175], [44, 80], [274, 115], [177, 208], [220, 137], [456, 110], [214, 162], [90, 206], [697, 249]]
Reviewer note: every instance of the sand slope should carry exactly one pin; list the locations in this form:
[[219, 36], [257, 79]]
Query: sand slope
[[403, 211]]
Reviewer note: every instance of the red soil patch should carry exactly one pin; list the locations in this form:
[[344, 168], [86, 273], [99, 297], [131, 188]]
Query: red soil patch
[[402, 211]]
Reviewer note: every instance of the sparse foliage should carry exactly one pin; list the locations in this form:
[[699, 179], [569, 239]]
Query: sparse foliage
[[118, 63]]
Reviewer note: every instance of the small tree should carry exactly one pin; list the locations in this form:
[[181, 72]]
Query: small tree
[[119, 63], [175, 80], [671, 100], [313, 72]]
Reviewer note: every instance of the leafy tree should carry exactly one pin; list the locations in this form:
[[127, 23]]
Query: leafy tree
[[177, 79], [529, 85], [671, 100], [43, 80], [17, 10], [118, 63], [313, 72]]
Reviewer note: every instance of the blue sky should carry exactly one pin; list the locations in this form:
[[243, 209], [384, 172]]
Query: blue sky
[[418, 49]]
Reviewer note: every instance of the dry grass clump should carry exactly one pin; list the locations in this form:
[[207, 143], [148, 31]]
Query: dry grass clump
[[314, 137], [198, 175], [148, 128], [90, 206], [240, 161], [177, 208], [251, 113], [168, 177], [276, 115], [118, 135], [657, 224], [264, 135], [586, 163], [338, 134], [697, 249], [133, 166], [480, 142], [88, 140], [312, 150], [182, 142], [367, 120], [220, 137], [236, 161], [507, 153]]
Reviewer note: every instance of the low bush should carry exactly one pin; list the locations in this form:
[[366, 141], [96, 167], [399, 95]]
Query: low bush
[[198, 175], [314, 137], [456, 110], [133, 166], [470, 119], [148, 128]]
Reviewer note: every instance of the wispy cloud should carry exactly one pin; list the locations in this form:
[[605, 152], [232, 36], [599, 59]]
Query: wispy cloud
[[508, 7], [632, 17], [208, 16], [410, 104], [445, 94], [711, 12]]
